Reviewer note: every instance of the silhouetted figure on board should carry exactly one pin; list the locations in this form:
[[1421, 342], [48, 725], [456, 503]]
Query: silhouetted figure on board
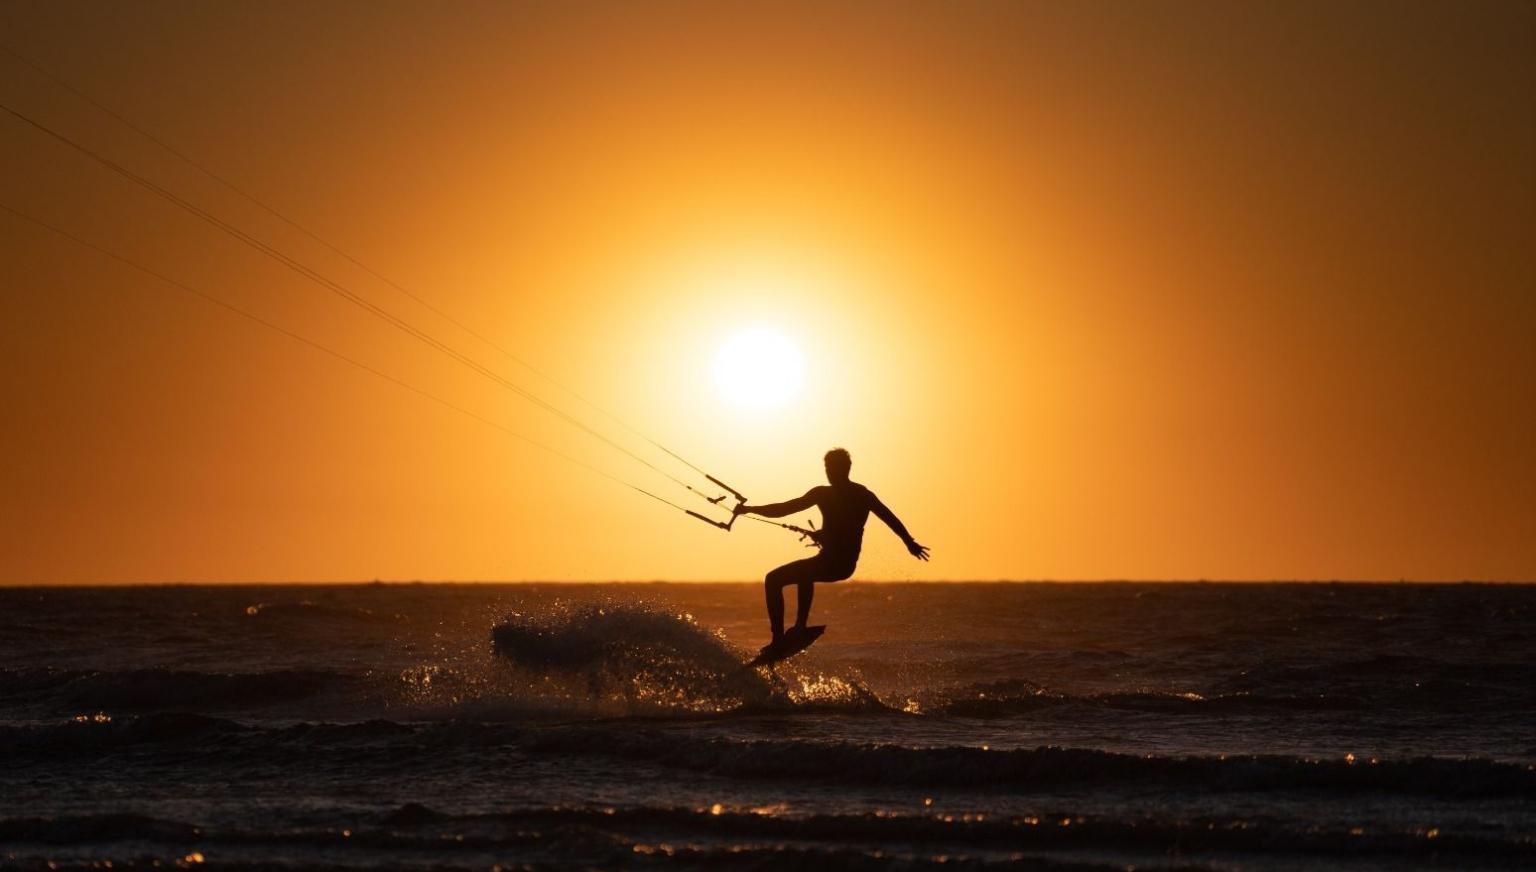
[[845, 506]]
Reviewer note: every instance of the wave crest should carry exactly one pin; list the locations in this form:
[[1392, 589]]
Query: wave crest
[[649, 660]]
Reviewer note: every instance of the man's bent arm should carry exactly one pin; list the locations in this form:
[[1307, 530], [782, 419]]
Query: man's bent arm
[[779, 510], [889, 517]]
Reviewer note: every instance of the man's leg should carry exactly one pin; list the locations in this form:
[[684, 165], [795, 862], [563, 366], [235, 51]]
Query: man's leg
[[818, 569], [773, 589], [800, 572], [803, 607]]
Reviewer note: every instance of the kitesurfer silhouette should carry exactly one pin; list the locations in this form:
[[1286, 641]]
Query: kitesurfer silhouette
[[845, 506]]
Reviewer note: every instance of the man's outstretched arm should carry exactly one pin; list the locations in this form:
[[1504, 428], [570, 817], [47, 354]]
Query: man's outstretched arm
[[889, 517], [779, 510]]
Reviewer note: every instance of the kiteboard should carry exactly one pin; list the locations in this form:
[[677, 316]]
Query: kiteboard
[[791, 643]]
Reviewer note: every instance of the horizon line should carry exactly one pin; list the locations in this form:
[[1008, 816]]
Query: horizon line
[[590, 581]]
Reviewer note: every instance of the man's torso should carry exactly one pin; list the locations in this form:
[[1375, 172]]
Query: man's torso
[[844, 511]]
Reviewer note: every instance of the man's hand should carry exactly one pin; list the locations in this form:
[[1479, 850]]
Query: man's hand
[[916, 550], [741, 509]]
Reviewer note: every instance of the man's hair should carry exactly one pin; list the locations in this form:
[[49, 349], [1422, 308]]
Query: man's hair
[[839, 457]]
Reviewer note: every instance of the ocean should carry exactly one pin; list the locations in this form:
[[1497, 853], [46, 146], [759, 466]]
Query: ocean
[[602, 726]]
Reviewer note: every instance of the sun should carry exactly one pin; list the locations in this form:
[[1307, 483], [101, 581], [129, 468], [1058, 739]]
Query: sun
[[759, 369]]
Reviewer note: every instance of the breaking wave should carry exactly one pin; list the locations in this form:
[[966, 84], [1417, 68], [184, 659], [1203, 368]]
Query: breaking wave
[[649, 661], [1046, 768], [1019, 771], [586, 661]]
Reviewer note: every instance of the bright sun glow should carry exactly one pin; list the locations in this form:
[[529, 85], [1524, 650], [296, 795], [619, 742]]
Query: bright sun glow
[[759, 369]]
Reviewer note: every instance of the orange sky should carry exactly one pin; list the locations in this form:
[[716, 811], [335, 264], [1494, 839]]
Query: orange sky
[[1089, 290]]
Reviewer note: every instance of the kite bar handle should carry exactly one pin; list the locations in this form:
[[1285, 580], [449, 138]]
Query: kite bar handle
[[711, 521], [724, 525], [734, 492]]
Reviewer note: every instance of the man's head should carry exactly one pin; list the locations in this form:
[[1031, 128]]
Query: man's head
[[838, 464]]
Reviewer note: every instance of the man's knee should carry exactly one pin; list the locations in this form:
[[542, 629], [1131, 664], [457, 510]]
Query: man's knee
[[778, 578], [841, 572]]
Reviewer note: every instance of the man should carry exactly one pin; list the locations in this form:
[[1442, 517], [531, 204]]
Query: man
[[845, 506]]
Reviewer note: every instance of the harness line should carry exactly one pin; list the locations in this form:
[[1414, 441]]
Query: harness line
[[354, 298], [272, 325], [231, 186]]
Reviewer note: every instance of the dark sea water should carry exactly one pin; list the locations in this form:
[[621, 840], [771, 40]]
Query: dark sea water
[[1182, 726]]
